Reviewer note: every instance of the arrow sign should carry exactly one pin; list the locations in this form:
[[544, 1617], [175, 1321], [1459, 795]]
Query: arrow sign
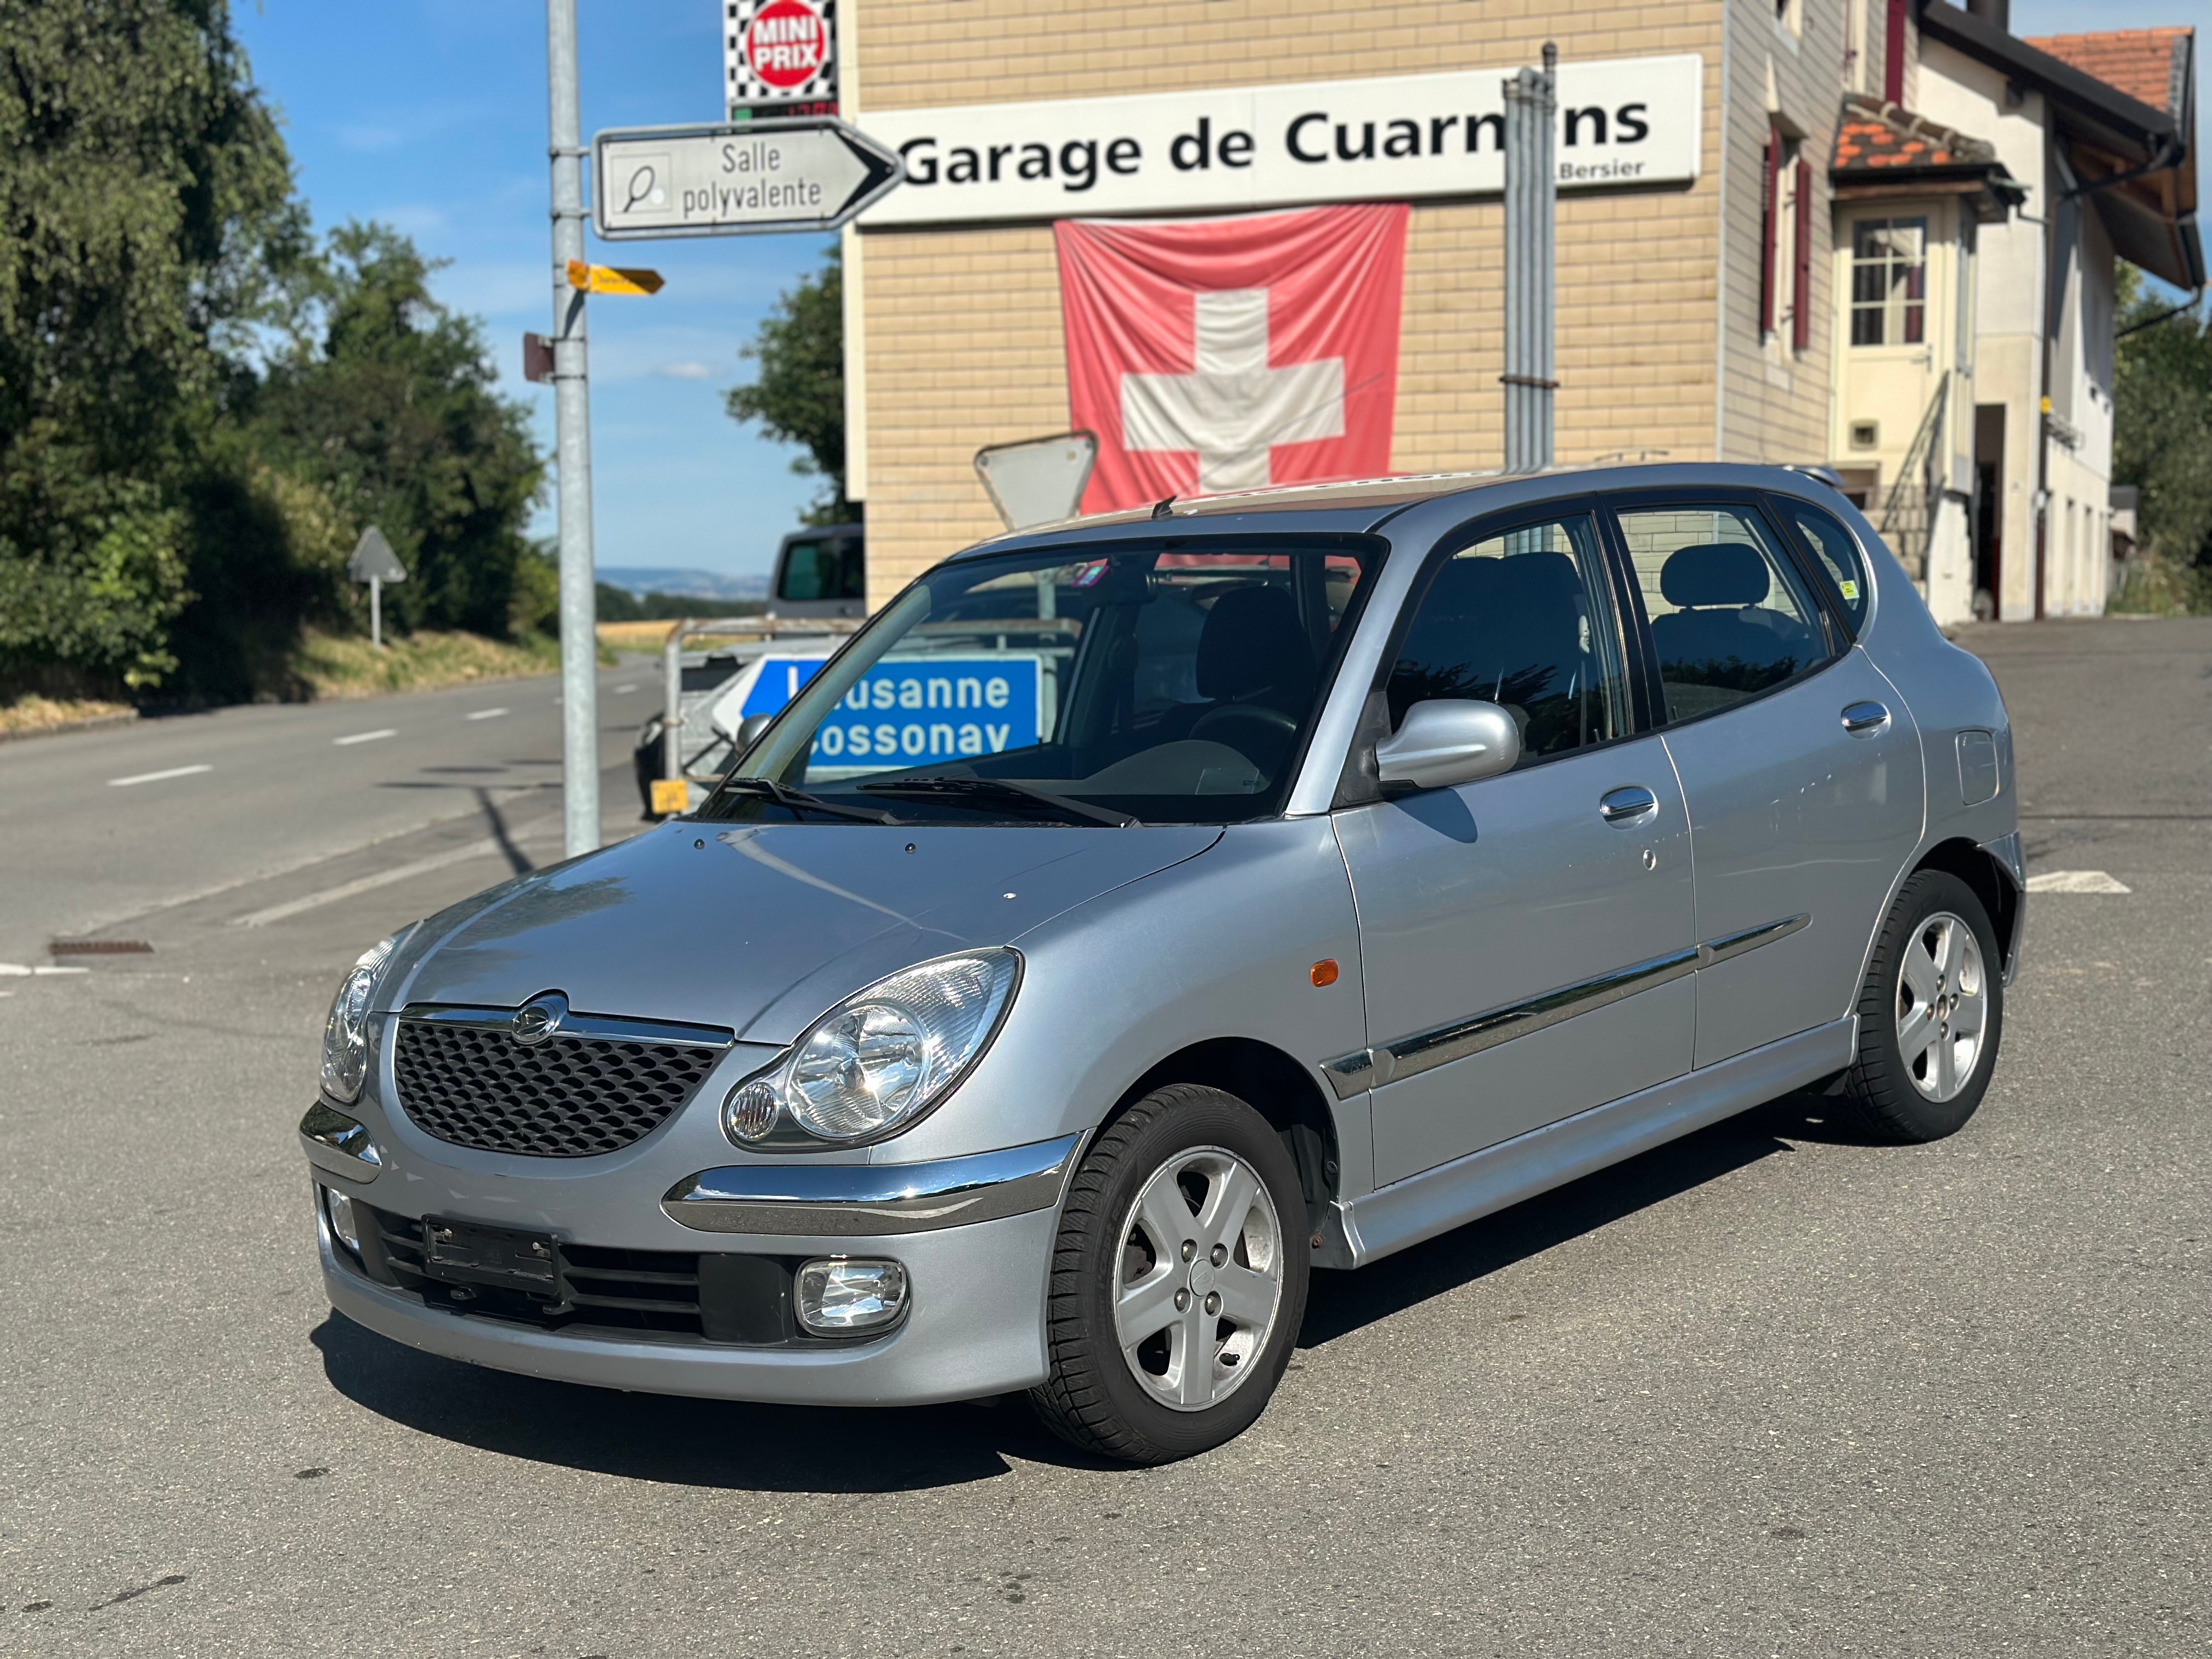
[[373, 561], [612, 279], [740, 178]]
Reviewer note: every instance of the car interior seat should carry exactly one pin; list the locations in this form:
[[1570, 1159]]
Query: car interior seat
[[1719, 590]]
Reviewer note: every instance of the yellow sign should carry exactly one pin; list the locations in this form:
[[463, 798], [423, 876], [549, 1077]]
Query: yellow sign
[[671, 796], [607, 279]]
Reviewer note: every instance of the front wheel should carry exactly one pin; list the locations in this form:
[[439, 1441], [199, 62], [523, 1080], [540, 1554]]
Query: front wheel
[[1931, 1013], [1178, 1279]]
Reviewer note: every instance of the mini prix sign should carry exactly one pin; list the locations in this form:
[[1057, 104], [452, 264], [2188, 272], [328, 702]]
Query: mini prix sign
[[780, 58]]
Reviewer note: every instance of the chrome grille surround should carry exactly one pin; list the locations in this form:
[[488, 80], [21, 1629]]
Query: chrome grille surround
[[593, 1086]]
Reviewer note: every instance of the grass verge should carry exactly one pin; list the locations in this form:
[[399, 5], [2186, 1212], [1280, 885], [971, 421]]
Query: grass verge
[[334, 666], [33, 712]]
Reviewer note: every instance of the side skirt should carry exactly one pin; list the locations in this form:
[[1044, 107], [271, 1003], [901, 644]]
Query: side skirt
[[1420, 1207]]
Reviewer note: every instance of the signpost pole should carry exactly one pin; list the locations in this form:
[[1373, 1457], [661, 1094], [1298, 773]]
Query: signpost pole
[[376, 612], [572, 416], [1531, 187]]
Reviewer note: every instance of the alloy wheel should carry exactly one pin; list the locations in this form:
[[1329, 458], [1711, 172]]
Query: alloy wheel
[[1199, 1278], [1943, 1006]]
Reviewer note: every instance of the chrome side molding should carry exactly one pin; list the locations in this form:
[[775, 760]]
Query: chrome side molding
[[1409, 1056], [854, 1200], [340, 1144], [609, 1027]]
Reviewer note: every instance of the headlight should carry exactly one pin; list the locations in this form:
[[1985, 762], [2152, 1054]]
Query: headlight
[[345, 1034], [881, 1058]]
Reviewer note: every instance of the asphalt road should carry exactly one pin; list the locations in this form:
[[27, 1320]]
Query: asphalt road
[[106, 824], [1767, 1391]]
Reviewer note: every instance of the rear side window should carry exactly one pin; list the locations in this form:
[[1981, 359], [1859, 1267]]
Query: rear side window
[[833, 568], [1839, 555], [1730, 617], [1520, 620]]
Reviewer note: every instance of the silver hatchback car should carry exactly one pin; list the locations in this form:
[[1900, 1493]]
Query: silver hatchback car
[[1137, 914]]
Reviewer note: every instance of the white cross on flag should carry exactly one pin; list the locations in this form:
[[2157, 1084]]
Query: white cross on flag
[[1229, 353]]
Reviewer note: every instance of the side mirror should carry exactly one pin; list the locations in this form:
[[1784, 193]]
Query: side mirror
[[1444, 742], [749, 729]]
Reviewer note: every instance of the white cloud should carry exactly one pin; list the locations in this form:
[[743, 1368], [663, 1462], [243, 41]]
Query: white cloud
[[685, 371]]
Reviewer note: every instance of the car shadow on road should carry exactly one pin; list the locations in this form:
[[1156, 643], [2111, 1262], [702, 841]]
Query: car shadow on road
[[683, 1442], [739, 1447], [1343, 1302]]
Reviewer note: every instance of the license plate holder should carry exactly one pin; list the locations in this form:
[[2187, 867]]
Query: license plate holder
[[467, 1253]]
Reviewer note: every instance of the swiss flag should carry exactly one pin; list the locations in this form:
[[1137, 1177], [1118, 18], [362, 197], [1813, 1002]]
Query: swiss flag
[[1228, 353]]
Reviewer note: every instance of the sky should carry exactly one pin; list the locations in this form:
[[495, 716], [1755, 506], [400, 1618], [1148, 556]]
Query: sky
[[430, 115]]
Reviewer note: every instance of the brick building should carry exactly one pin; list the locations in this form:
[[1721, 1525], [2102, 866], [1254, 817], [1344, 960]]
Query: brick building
[[1697, 293]]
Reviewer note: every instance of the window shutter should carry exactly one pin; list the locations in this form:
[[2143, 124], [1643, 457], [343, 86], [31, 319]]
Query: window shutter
[[1801, 288], [1769, 229], [1893, 55]]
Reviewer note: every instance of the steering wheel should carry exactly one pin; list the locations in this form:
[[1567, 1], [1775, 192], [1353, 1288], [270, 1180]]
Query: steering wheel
[[1261, 734]]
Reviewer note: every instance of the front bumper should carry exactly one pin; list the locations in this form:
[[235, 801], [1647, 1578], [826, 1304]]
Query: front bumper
[[974, 1233], [975, 1326]]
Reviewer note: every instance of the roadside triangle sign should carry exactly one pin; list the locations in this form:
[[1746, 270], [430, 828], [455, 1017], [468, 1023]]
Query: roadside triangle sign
[[373, 561]]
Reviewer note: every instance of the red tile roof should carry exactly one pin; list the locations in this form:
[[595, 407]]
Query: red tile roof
[[2144, 63], [1873, 135]]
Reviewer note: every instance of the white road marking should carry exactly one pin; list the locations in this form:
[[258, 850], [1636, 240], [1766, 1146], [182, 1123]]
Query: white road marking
[[17, 970], [364, 737], [156, 777], [369, 883], [2076, 881], [623, 690], [485, 714]]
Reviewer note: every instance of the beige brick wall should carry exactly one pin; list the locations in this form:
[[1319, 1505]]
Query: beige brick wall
[[963, 335]]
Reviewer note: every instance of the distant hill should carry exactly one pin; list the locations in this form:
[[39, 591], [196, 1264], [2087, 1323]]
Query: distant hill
[[643, 579]]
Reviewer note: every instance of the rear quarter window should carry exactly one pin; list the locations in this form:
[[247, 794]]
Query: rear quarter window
[[1838, 554]]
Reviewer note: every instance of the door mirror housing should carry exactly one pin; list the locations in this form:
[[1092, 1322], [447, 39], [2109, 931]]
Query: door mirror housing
[[1447, 742], [749, 730]]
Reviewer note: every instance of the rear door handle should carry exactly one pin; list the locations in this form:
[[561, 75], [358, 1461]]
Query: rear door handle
[[1626, 803], [1864, 718]]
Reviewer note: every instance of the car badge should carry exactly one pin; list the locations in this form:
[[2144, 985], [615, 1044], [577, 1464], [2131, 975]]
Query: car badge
[[540, 1018]]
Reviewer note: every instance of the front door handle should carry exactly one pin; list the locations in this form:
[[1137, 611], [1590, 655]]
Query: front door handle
[[1626, 805], [1863, 720]]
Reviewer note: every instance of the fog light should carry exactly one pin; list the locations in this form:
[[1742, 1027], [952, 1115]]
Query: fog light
[[840, 1294], [343, 1225]]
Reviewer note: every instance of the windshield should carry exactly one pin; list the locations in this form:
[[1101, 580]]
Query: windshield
[[1169, 681]]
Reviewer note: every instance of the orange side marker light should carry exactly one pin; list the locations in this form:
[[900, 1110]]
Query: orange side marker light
[[1324, 971]]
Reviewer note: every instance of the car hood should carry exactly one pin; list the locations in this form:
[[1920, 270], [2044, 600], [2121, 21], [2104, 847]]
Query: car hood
[[760, 928]]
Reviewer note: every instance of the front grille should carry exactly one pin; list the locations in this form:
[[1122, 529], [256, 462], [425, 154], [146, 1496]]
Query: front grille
[[569, 1097], [666, 1296], [627, 1291]]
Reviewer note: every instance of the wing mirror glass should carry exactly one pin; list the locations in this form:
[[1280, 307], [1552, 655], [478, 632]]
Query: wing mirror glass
[[1443, 742]]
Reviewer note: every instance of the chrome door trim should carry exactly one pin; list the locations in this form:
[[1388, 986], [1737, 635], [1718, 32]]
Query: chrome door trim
[[607, 1027], [1627, 803], [1865, 718], [873, 1200], [1729, 946], [1422, 1051]]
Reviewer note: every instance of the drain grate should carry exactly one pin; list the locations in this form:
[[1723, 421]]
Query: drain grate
[[99, 947]]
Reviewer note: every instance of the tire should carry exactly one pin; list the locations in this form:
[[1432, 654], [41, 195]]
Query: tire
[[1178, 1143], [1912, 1009]]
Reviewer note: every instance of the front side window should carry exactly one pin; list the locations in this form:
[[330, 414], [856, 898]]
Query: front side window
[[1172, 682], [1889, 282], [1521, 620], [1729, 615]]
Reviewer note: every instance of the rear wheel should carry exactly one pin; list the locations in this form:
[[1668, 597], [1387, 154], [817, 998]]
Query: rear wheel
[[1931, 1013], [1179, 1280]]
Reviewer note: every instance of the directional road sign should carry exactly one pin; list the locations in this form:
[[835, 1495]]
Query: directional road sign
[[612, 279], [741, 178]]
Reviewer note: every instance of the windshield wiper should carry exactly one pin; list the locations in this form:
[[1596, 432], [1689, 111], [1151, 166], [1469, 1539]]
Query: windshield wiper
[[798, 801], [1006, 790]]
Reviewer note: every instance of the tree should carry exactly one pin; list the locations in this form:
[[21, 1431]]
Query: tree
[[2162, 441], [390, 410], [798, 395], [146, 221]]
